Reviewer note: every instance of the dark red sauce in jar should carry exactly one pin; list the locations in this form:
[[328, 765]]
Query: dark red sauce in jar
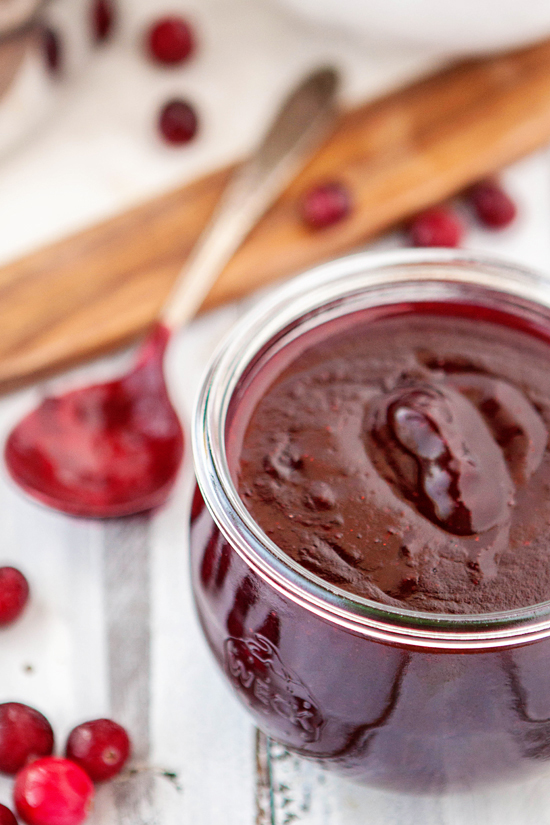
[[395, 460], [405, 459]]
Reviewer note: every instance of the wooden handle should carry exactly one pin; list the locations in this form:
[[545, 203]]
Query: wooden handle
[[101, 288]]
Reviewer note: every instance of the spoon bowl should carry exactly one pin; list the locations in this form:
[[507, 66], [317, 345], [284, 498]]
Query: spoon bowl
[[105, 450]]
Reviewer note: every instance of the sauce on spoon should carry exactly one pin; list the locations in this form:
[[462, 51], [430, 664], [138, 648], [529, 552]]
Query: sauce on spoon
[[105, 450]]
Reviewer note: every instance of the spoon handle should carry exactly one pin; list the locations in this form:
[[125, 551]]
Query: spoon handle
[[299, 127]]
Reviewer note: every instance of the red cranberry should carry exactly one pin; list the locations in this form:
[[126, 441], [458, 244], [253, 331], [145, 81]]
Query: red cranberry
[[6, 816], [53, 791], [101, 747], [436, 227], [170, 40], [493, 206], [325, 204], [178, 122], [24, 734], [14, 593], [52, 50], [103, 19]]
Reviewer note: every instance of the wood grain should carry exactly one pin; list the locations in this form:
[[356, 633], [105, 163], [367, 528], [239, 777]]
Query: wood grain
[[102, 287]]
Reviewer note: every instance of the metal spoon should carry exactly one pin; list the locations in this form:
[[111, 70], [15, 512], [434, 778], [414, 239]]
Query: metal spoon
[[114, 449]]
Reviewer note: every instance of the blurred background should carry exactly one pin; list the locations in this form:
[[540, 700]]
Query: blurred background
[[81, 92], [79, 140]]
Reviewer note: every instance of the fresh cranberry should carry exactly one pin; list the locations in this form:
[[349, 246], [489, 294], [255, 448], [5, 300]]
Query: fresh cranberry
[[436, 227], [6, 816], [14, 594], [178, 122], [493, 206], [24, 734], [325, 204], [103, 19], [53, 791], [171, 40], [52, 50], [101, 747]]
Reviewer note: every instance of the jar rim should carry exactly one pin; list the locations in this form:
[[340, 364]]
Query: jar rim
[[297, 302]]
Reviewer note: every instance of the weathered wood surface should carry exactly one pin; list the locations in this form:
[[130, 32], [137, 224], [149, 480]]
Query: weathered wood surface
[[102, 287], [304, 795]]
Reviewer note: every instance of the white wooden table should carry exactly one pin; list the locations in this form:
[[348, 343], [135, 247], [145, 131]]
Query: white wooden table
[[111, 629]]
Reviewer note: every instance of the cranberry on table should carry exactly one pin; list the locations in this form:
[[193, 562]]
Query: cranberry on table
[[52, 50], [24, 734], [14, 594], [101, 747], [53, 791], [103, 19], [178, 122], [6, 816], [171, 40], [438, 226], [493, 206], [325, 204]]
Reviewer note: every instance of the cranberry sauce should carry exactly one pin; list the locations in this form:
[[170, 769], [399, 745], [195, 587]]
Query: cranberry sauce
[[405, 459], [105, 450], [399, 454]]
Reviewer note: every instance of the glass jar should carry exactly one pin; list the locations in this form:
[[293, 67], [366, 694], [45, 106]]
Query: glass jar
[[394, 697]]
